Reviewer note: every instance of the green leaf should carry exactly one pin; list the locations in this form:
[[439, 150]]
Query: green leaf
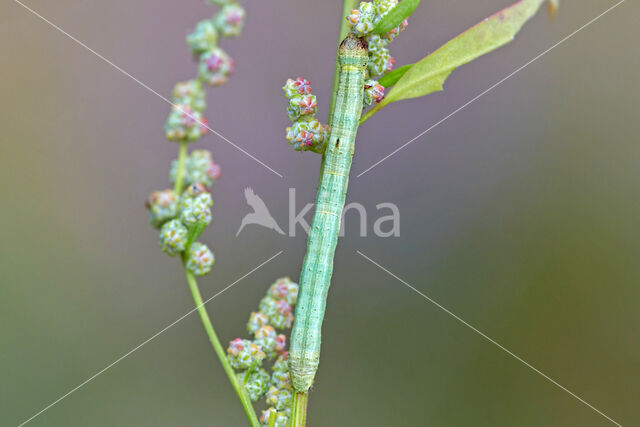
[[194, 232], [392, 77], [396, 16], [429, 74]]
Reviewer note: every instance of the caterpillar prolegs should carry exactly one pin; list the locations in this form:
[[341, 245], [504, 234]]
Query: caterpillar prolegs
[[317, 267]]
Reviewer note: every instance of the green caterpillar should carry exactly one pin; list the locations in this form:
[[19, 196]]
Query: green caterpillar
[[317, 267]]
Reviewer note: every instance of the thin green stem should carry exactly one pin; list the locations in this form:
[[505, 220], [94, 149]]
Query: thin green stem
[[367, 115], [182, 159], [202, 311], [299, 410], [208, 327]]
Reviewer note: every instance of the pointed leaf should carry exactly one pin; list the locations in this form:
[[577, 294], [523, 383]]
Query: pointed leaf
[[429, 74], [392, 77], [194, 231], [396, 16]]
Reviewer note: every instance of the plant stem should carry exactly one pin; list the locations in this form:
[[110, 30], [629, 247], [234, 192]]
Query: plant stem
[[299, 409], [182, 158], [202, 311], [208, 327], [367, 115]]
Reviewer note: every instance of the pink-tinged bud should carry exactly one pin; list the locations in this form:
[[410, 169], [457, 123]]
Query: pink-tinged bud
[[163, 206], [194, 190], [215, 67], [308, 105], [299, 86], [354, 17], [283, 308], [214, 171], [281, 343], [236, 346], [256, 321], [390, 63], [373, 92]]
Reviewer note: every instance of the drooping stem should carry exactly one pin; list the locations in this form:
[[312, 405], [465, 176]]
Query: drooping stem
[[213, 337], [299, 409], [202, 311], [182, 158]]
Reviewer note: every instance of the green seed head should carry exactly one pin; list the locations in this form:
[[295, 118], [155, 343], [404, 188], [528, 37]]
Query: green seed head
[[200, 259], [279, 398], [185, 124], [203, 38], [215, 67], [256, 321], [286, 289], [380, 62], [190, 92], [173, 237], [256, 384], [194, 210], [230, 20], [199, 168], [373, 92], [307, 135], [162, 206], [363, 20]]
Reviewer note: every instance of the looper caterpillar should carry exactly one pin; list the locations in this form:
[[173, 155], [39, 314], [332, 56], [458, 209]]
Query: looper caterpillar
[[317, 267]]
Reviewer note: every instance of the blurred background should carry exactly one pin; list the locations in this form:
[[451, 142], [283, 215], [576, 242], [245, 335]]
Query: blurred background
[[519, 214]]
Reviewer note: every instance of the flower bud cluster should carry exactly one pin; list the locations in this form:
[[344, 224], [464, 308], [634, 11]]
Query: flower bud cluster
[[162, 206], [215, 65], [200, 259], [373, 92], [199, 168], [185, 124], [204, 37], [194, 210], [255, 382], [279, 397], [306, 133], [190, 93], [248, 356], [181, 218], [279, 312], [230, 20], [363, 21], [245, 354], [173, 237], [178, 217]]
